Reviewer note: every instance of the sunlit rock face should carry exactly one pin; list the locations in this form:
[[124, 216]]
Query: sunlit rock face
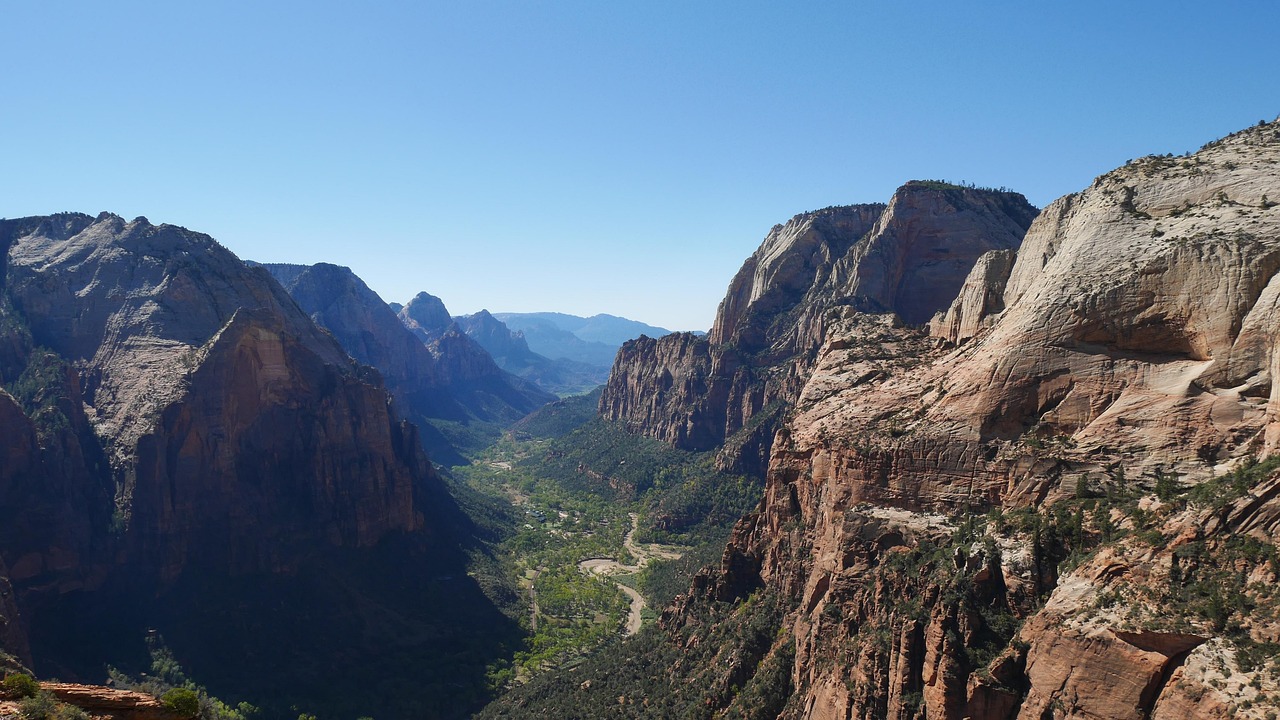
[[1132, 339]]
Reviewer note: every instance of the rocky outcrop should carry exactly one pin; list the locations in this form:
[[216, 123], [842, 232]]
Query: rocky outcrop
[[106, 702], [909, 258], [426, 316], [663, 388], [1036, 524], [981, 298]]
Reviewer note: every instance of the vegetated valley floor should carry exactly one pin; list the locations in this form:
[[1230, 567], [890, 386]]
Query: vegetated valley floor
[[610, 528]]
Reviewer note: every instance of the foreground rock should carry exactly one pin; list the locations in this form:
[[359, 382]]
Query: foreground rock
[[105, 702]]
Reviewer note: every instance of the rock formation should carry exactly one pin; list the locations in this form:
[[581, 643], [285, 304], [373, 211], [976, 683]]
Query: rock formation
[[173, 425], [1064, 503], [426, 316], [1099, 395], [909, 257], [190, 366]]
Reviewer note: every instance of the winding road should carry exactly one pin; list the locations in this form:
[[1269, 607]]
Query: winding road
[[609, 566]]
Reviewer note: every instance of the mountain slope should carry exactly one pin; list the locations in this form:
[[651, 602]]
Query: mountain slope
[[187, 452], [511, 351], [445, 379]]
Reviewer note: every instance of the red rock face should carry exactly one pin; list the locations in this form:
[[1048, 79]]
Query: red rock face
[[108, 702], [1135, 335], [909, 257]]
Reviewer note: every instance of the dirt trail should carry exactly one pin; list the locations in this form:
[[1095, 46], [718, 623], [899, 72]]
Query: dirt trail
[[609, 566]]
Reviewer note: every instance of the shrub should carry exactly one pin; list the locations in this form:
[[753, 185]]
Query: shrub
[[20, 685], [181, 701], [42, 706]]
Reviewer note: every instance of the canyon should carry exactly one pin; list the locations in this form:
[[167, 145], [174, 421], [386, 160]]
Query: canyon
[[1041, 494], [1016, 463]]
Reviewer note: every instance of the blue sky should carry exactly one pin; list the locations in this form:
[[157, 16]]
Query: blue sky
[[590, 157]]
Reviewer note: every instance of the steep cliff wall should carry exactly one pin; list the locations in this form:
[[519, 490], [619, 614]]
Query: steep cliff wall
[[1100, 396], [191, 366], [909, 257]]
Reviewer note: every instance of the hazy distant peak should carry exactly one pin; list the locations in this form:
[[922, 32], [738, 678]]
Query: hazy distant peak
[[611, 330], [426, 316]]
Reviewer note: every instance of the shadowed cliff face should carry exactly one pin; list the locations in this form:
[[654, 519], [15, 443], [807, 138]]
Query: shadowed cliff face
[[183, 449], [909, 258], [450, 378], [1106, 376], [205, 382]]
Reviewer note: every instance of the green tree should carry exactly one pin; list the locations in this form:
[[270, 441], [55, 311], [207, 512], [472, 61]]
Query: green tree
[[182, 701], [20, 685]]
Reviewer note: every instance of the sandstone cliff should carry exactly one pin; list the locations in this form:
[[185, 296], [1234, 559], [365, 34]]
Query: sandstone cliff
[[909, 257], [191, 367], [1037, 524]]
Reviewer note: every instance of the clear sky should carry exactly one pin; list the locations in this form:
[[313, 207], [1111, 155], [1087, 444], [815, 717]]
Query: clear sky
[[585, 157]]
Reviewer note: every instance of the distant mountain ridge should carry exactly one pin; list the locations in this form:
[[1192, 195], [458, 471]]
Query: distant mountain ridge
[[511, 351], [599, 328], [559, 353], [592, 340], [435, 375]]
